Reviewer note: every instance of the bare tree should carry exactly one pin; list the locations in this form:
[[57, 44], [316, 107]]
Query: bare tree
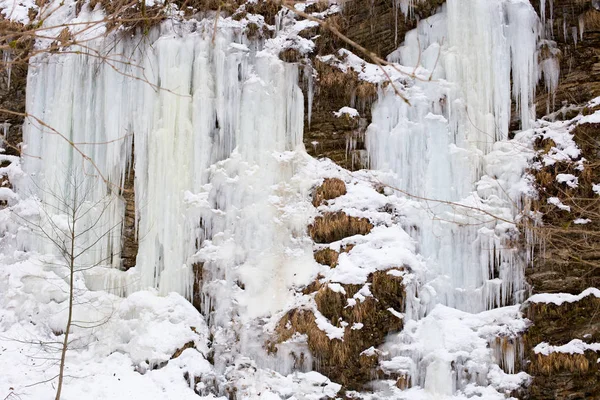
[[75, 227]]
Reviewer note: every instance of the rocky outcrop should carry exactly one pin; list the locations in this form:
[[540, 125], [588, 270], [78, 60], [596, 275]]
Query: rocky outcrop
[[566, 261], [567, 258], [129, 246]]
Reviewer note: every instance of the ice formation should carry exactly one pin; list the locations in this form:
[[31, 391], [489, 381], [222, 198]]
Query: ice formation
[[210, 123], [441, 145], [448, 151], [186, 104]]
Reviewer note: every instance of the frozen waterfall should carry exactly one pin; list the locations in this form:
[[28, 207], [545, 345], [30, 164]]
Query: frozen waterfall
[[187, 100], [439, 146], [210, 124]]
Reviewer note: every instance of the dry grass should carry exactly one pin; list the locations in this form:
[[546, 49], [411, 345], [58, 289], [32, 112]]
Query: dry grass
[[556, 362], [559, 238], [302, 321], [252, 31], [198, 271], [266, 8], [188, 345], [318, 6], [372, 313], [330, 189], [335, 81], [290, 55], [332, 227], [327, 257], [403, 382], [591, 20]]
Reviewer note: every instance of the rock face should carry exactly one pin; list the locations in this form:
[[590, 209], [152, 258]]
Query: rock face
[[569, 259], [129, 246], [13, 78]]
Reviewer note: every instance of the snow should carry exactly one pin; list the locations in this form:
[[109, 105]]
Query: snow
[[575, 346], [582, 221], [569, 179], [17, 11], [556, 202], [349, 111], [596, 188], [591, 118], [222, 181], [112, 339], [425, 350], [560, 298]]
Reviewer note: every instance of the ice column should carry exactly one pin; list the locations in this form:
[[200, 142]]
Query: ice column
[[185, 101], [437, 147]]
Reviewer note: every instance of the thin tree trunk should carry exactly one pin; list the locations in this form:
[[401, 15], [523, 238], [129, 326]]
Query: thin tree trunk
[[70, 317]]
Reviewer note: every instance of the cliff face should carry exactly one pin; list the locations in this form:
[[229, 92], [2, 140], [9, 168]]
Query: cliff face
[[566, 257], [567, 260]]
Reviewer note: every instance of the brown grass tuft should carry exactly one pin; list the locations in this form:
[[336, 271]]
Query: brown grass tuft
[[555, 362], [252, 31], [327, 257], [377, 322], [332, 79], [403, 382], [336, 226], [188, 345], [290, 55], [266, 8], [591, 20], [330, 189], [318, 6]]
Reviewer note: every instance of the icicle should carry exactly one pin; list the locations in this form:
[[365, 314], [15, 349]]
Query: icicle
[[7, 60], [309, 79], [5, 129], [543, 16], [507, 352]]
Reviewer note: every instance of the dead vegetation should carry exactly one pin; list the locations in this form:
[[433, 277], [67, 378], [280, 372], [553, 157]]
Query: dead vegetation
[[198, 271], [327, 257], [558, 362], [178, 352], [571, 249], [560, 324], [403, 382], [331, 188], [334, 226], [290, 55], [366, 324], [332, 80], [267, 8]]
